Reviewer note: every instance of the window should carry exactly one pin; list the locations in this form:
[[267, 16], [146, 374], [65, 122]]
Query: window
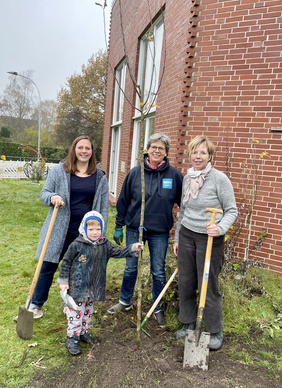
[[114, 161], [119, 96], [148, 79], [149, 63], [149, 129], [116, 127]]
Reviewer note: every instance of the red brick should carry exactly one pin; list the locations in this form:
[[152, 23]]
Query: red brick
[[236, 88]]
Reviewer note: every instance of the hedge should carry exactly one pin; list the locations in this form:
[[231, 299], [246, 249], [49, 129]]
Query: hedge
[[12, 152]]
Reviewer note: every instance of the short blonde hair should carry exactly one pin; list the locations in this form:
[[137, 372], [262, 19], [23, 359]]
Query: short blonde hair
[[197, 141], [92, 222]]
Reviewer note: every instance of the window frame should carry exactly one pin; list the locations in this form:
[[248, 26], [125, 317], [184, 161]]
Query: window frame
[[144, 60], [149, 130]]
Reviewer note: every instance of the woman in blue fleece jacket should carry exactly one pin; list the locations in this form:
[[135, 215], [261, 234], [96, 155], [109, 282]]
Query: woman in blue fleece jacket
[[163, 186]]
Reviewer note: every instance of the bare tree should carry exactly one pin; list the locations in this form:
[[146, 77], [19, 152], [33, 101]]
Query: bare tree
[[48, 114], [17, 102], [147, 94]]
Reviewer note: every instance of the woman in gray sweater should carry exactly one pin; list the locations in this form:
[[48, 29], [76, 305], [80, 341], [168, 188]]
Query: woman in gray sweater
[[203, 187], [82, 187]]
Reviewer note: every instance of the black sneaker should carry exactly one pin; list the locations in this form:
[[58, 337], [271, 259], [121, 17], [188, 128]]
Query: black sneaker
[[159, 315], [73, 346], [88, 338]]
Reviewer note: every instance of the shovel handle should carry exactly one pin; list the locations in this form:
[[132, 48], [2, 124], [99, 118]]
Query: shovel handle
[[205, 279], [41, 257], [159, 297]]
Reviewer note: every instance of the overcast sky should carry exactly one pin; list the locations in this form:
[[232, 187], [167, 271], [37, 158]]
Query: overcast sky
[[54, 38]]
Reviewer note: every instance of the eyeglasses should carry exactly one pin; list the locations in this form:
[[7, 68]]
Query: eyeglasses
[[155, 148]]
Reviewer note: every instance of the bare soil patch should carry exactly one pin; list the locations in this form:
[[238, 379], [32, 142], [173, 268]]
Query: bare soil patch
[[116, 362]]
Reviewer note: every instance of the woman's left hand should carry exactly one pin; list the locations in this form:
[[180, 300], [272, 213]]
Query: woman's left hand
[[212, 230]]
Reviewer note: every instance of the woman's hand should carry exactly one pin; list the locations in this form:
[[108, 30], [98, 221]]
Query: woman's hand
[[57, 200], [64, 287], [212, 230], [175, 248]]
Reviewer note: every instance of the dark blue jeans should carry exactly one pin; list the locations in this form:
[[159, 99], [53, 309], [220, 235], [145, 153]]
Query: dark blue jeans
[[158, 244]]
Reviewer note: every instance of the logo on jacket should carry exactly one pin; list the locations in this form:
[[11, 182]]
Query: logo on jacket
[[82, 258], [167, 183]]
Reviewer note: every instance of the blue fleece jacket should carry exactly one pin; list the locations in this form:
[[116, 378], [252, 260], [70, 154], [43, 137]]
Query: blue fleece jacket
[[163, 189]]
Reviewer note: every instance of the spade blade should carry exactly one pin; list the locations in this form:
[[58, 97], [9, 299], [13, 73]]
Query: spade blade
[[25, 324], [196, 356]]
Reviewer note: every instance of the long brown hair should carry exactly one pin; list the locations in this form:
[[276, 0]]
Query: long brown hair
[[70, 162]]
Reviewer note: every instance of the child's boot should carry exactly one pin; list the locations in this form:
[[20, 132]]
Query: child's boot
[[87, 337], [72, 343]]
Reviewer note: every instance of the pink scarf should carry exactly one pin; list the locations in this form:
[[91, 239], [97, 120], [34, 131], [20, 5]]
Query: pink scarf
[[153, 167], [195, 181]]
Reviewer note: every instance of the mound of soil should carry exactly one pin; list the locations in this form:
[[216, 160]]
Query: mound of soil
[[116, 362]]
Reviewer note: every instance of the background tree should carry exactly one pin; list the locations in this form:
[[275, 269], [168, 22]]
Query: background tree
[[48, 114], [46, 137], [17, 101], [5, 131], [81, 104], [19, 113]]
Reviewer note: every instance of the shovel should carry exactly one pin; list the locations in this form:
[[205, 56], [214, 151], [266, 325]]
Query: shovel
[[25, 317], [196, 349], [157, 301], [68, 300]]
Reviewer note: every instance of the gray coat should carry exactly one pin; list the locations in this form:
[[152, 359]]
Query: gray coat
[[58, 183]]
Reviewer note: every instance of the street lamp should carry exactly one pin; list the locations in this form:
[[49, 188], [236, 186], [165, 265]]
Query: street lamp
[[39, 117]]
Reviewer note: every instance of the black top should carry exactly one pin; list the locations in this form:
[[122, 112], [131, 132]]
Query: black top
[[82, 192]]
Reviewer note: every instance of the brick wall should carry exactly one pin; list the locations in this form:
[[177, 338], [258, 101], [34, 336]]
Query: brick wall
[[236, 99], [223, 79]]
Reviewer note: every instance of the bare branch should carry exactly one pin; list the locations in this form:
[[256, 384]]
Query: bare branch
[[126, 54]]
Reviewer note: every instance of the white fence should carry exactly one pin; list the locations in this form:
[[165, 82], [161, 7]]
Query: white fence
[[15, 169]]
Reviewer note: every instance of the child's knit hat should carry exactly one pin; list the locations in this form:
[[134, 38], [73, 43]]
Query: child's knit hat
[[92, 215]]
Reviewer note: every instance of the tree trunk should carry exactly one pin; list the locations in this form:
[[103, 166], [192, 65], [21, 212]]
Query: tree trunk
[[139, 277]]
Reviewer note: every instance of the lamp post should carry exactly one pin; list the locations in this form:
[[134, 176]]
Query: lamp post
[[39, 116]]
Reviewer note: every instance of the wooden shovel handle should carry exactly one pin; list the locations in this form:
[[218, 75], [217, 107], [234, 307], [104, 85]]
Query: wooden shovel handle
[[162, 293], [41, 257], [205, 279]]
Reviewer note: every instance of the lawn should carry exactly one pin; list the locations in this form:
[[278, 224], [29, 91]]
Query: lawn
[[252, 308]]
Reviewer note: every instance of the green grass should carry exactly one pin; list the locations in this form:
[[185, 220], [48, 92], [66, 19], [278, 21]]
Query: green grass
[[252, 319]]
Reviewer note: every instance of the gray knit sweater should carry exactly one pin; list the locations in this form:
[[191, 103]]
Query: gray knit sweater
[[216, 192], [58, 182]]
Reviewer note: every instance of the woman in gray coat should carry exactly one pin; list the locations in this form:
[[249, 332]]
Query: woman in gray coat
[[82, 187], [203, 187]]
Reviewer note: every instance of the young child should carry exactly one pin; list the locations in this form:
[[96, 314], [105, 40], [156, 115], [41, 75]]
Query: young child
[[83, 274]]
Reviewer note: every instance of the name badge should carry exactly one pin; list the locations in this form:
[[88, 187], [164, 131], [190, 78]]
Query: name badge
[[167, 183]]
